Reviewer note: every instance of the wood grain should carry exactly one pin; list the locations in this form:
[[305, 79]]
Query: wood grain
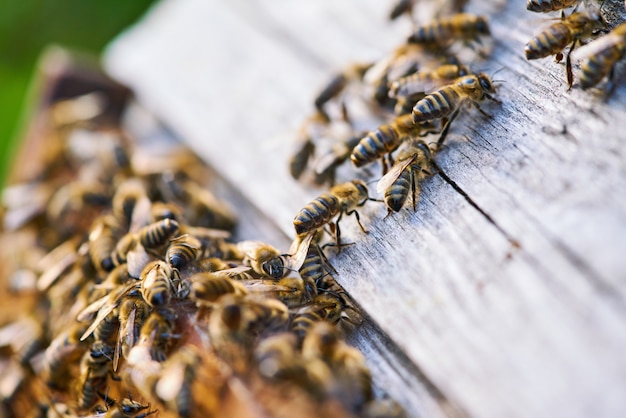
[[505, 288]]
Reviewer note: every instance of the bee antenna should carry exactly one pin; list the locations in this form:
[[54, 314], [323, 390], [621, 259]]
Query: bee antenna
[[499, 81], [497, 71]]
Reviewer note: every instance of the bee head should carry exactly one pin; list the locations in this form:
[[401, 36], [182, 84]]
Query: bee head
[[274, 267], [482, 26], [361, 188], [485, 83]]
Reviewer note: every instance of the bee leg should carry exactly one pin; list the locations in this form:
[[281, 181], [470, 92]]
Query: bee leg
[[325, 261], [610, 85], [446, 128], [338, 232], [384, 163], [485, 114], [345, 115], [413, 180], [568, 67], [358, 219]]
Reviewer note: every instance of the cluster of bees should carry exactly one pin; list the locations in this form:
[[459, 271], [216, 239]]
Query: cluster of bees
[[371, 110], [598, 57], [141, 302]]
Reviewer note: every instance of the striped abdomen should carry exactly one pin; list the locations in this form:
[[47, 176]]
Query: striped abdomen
[[312, 269], [304, 321], [157, 234], [545, 6], [459, 26], [208, 287], [436, 105], [397, 193], [376, 144], [316, 214], [597, 66], [549, 42]]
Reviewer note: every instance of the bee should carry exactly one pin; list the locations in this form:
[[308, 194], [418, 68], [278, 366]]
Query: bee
[[546, 6], [341, 199], [161, 210], [125, 245], [409, 167], [94, 368], [387, 138], [182, 251], [289, 290], [265, 314], [347, 363], [277, 357], [337, 84], [157, 234], [130, 201], [132, 313], [600, 57], [207, 288], [104, 306], [573, 29], [156, 283], [471, 88], [102, 241], [326, 166], [157, 333], [266, 260], [462, 26], [175, 383], [65, 349], [325, 307], [423, 81], [310, 129]]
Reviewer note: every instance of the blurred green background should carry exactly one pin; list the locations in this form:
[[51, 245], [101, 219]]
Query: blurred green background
[[27, 26]]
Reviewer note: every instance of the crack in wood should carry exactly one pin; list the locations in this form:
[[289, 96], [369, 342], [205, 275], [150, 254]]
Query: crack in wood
[[515, 243]]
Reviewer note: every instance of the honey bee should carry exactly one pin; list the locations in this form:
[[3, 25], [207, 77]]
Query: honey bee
[[182, 251], [424, 81], [126, 244], [104, 306], [157, 333], [546, 6], [131, 201], [326, 166], [65, 349], [266, 260], [162, 210], [341, 199], [325, 307], [157, 234], [409, 167], [337, 84], [573, 29], [300, 159], [289, 290], [174, 386], [265, 315], [94, 368], [277, 357], [156, 283], [387, 138], [600, 57], [207, 288], [471, 88], [347, 363], [132, 313], [462, 26], [102, 241]]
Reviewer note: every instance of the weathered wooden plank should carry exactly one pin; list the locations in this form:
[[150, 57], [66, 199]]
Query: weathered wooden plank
[[505, 287]]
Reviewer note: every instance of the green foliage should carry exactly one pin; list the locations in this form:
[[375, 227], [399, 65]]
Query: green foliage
[[28, 26]]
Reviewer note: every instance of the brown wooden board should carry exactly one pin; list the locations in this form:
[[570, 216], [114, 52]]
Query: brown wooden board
[[505, 288]]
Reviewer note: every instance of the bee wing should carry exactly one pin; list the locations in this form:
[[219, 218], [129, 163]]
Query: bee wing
[[137, 258], [203, 233], [393, 174], [127, 331], [104, 306], [234, 271], [596, 46], [298, 251], [249, 247], [261, 285], [141, 214]]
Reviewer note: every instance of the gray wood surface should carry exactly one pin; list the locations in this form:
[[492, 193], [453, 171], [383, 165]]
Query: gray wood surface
[[505, 289]]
